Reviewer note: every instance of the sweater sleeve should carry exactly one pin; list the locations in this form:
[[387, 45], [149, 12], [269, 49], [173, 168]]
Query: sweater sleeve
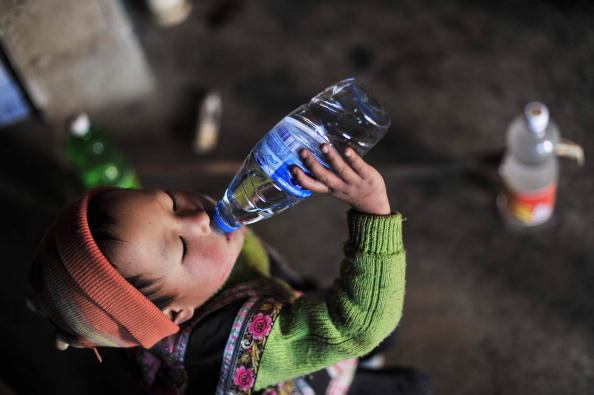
[[362, 307]]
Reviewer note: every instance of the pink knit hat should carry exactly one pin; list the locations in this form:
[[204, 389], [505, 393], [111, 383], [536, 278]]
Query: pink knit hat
[[85, 296]]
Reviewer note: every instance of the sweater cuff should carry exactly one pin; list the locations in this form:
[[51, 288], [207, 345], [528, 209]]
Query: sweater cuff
[[377, 234]]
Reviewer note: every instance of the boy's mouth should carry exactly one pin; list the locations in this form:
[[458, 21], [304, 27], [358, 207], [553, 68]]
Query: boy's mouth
[[233, 235]]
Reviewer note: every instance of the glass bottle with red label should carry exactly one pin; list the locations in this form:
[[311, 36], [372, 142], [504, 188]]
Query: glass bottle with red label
[[530, 168]]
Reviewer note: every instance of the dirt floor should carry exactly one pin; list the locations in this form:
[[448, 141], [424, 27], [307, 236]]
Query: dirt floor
[[488, 310]]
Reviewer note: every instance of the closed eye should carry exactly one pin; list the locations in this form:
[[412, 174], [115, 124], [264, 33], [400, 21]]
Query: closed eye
[[173, 202], [184, 246], [174, 208]]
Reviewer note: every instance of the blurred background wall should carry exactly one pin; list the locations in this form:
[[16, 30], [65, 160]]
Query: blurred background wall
[[488, 310]]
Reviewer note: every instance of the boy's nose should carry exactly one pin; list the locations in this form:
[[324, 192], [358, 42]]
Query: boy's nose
[[197, 222]]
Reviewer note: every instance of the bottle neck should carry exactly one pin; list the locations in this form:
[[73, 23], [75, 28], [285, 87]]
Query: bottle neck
[[529, 146], [80, 132], [222, 222]]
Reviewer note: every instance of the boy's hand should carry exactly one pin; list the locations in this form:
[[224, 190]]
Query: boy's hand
[[355, 182]]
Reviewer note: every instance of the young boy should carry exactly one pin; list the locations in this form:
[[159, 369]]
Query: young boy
[[136, 268]]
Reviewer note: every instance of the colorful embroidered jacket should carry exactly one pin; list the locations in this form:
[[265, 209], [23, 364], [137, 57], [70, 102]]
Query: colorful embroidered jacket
[[268, 336]]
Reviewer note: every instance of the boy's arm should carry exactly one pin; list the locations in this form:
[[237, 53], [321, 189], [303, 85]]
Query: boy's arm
[[363, 306], [365, 303]]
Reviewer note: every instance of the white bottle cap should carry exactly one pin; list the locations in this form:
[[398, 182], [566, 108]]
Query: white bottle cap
[[537, 117], [80, 125]]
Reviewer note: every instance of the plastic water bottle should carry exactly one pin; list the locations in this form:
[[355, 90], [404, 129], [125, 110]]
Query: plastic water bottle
[[343, 115], [530, 168], [96, 159]]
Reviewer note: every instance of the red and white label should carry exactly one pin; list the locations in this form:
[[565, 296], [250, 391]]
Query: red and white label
[[532, 208]]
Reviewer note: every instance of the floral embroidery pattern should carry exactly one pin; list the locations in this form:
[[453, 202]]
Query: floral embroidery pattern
[[241, 358], [260, 326], [244, 378], [298, 386], [162, 368]]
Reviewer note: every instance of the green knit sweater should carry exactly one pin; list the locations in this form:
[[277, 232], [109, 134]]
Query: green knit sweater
[[362, 307]]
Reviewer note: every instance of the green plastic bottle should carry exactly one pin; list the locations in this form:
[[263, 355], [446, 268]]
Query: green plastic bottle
[[97, 160]]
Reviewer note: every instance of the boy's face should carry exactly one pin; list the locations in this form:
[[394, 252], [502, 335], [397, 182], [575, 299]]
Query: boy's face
[[166, 237]]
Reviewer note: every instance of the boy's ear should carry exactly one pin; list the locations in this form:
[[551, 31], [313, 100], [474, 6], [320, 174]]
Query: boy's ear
[[179, 315]]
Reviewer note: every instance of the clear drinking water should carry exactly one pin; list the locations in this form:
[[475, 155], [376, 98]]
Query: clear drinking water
[[343, 115]]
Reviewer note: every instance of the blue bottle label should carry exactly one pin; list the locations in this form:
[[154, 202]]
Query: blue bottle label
[[276, 153]]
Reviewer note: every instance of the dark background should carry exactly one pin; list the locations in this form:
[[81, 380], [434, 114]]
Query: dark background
[[488, 310]]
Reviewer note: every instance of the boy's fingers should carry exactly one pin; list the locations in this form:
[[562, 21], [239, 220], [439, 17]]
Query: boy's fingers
[[307, 182], [342, 169], [320, 173], [357, 163]]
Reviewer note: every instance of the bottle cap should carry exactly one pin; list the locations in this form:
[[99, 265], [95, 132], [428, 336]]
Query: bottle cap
[[537, 117], [80, 125]]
